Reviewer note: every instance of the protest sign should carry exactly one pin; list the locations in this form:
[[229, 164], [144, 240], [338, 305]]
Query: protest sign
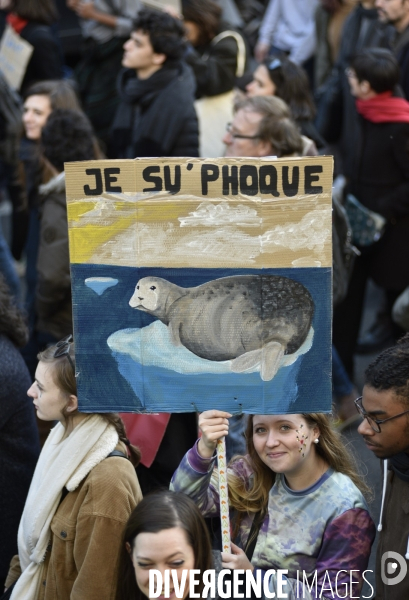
[[14, 56], [202, 283]]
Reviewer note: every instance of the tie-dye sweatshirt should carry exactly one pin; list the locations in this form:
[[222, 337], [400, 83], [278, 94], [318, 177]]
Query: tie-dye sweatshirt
[[320, 534]]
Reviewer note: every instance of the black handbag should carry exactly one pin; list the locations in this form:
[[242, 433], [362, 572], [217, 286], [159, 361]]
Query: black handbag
[[7, 593]]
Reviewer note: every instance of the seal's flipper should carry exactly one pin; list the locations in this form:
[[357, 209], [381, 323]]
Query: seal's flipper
[[272, 354], [246, 361]]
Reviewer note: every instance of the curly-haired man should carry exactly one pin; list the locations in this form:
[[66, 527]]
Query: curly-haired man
[[156, 116]]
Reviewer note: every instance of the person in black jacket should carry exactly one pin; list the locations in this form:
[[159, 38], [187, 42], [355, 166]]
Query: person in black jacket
[[214, 49], [19, 442], [396, 12], [384, 406], [337, 116], [32, 21], [380, 181], [156, 116]]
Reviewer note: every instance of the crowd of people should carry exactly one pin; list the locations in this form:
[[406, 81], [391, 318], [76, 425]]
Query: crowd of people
[[253, 78]]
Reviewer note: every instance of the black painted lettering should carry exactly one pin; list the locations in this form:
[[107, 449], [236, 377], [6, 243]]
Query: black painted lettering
[[230, 179], [173, 188], [290, 188], [208, 173], [110, 179], [147, 174], [98, 189], [249, 180], [310, 177], [268, 180]]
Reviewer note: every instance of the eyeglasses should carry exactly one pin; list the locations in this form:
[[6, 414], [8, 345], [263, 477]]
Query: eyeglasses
[[238, 135], [62, 348], [275, 64], [374, 423]]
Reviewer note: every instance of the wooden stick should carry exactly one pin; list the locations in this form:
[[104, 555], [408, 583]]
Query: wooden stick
[[223, 495]]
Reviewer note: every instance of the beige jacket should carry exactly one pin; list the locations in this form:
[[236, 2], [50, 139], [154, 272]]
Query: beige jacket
[[87, 529]]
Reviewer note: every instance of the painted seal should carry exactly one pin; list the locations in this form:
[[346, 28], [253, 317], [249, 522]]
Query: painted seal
[[248, 319]]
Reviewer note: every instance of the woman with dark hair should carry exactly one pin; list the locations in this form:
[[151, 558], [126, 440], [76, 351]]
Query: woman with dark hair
[[67, 136], [283, 78], [40, 102], [295, 494], [32, 21], [83, 490], [217, 55], [165, 531], [19, 445], [215, 49]]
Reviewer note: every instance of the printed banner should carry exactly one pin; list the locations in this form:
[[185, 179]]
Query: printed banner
[[202, 283]]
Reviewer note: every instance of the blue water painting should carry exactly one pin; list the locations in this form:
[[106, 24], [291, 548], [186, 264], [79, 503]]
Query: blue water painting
[[127, 360]]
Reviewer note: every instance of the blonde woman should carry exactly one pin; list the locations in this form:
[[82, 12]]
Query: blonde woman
[[296, 502]]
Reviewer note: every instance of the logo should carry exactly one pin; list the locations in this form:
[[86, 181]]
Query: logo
[[393, 568]]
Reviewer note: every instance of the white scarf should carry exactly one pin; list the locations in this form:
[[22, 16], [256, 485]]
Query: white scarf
[[62, 463]]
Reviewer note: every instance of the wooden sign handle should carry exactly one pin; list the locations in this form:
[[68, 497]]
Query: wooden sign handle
[[223, 495]]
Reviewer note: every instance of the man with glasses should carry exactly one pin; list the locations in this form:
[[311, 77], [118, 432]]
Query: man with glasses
[[262, 127], [384, 406]]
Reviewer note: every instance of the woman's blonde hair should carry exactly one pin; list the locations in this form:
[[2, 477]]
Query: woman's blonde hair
[[330, 448], [64, 378]]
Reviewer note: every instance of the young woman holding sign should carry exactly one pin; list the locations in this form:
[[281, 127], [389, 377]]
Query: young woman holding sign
[[81, 495], [295, 495]]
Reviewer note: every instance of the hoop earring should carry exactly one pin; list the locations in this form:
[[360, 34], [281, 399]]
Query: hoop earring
[[316, 441]]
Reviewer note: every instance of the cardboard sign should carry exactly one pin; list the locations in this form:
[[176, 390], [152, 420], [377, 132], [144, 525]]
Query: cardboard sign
[[14, 56], [176, 5], [201, 283]]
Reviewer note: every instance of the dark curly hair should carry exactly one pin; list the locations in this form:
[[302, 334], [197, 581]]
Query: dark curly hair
[[67, 136], [12, 323], [166, 33], [390, 370]]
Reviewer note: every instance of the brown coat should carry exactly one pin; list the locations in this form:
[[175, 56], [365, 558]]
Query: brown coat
[[87, 529]]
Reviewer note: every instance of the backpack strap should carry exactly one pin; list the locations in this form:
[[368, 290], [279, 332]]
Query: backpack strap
[[241, 48], [253, 535], [65, 492], [117, 453]]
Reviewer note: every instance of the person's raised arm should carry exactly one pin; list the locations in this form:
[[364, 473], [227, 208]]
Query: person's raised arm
[[194, 476], [213, 424]]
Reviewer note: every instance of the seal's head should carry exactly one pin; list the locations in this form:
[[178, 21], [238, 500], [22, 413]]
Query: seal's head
[[154, 295], [146, 295]]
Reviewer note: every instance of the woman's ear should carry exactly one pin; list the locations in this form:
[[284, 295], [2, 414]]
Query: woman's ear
[[128, 547], [72, 404], [315, 432]]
